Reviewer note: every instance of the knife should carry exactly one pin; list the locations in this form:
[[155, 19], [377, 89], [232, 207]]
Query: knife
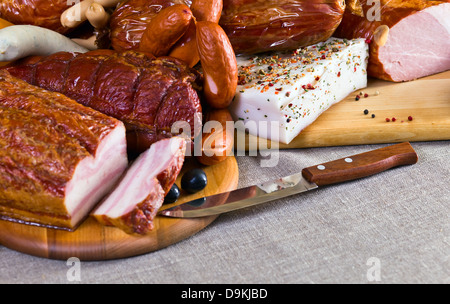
[[338, 171]]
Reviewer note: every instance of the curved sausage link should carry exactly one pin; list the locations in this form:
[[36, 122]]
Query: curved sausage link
[[219, 64], [217, 145], [166, 29], [203, 10]]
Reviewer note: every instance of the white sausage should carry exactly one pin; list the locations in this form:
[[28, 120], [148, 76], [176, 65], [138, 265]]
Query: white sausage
[[97, 16], [87, 43], [19, 41], [108, 3], [75, 15]]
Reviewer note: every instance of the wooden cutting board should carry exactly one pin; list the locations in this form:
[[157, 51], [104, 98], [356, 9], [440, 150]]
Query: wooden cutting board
[[426, 100], [93, 241]]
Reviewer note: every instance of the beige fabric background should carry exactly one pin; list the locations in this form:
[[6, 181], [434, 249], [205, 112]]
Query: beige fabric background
[[400, 217]]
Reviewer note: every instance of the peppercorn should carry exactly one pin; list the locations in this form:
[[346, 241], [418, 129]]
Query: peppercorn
[[366, 95], [410, 118], [357, 98], [388, 120], [394, 119], [366, 112], [373, 115]]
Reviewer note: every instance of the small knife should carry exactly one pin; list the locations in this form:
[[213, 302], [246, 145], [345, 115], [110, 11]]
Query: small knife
[[342, 170]]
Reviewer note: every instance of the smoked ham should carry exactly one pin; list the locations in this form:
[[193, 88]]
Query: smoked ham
[[133, 204], [57, 157], [148, 94], [409, 39]]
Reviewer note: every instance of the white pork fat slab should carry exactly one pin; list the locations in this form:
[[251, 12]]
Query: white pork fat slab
[[292, 89]]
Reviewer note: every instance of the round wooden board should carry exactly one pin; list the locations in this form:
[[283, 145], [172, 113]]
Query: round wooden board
[[93, 241]]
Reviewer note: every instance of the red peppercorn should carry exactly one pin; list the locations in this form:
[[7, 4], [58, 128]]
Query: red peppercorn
[[410, 118], [368, 41], [366, 95], [388, 120], [394, 119]]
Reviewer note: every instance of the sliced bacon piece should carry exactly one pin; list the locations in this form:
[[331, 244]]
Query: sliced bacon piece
[[133, 205]]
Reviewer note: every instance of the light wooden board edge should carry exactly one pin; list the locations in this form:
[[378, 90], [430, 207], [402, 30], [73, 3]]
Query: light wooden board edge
[[427, 100], [94, 242]]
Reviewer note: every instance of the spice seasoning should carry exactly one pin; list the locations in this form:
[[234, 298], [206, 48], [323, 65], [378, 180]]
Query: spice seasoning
[[300, 83]]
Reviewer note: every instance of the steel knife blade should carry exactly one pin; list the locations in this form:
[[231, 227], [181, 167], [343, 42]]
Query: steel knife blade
[[338, 171]]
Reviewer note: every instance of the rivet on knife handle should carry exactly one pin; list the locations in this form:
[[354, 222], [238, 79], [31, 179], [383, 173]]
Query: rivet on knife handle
[[361, 165]]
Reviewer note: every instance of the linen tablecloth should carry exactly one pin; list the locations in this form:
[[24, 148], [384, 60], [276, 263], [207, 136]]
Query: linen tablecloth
[[389, 228]]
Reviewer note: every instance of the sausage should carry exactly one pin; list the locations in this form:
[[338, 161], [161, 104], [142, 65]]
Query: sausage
[[218, 144], [36, 12], [129, 21], [207, 10], [19, 41], [3, 24], [255, 26], [203, 10], [219, 64], [166, 29], [89, 43], [186, 48], [108, 3], [399, 35], [97, 16], [75, 15]]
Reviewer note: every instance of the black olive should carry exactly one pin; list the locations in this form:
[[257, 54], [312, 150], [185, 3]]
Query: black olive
[[173, 195], [194, 180]]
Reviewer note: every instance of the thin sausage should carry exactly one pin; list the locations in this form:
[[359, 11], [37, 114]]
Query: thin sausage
[[97, 16], [76, 15], [217, 145], [219, 64], [89, 43], [203, 10], [108, 3], [166, 29]]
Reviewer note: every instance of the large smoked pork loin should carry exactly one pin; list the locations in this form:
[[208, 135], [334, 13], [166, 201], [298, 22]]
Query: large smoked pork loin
[[148, 94], [417, 32], [57, 157]]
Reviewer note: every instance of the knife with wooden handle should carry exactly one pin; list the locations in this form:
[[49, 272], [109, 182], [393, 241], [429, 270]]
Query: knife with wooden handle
[[338, 171]]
